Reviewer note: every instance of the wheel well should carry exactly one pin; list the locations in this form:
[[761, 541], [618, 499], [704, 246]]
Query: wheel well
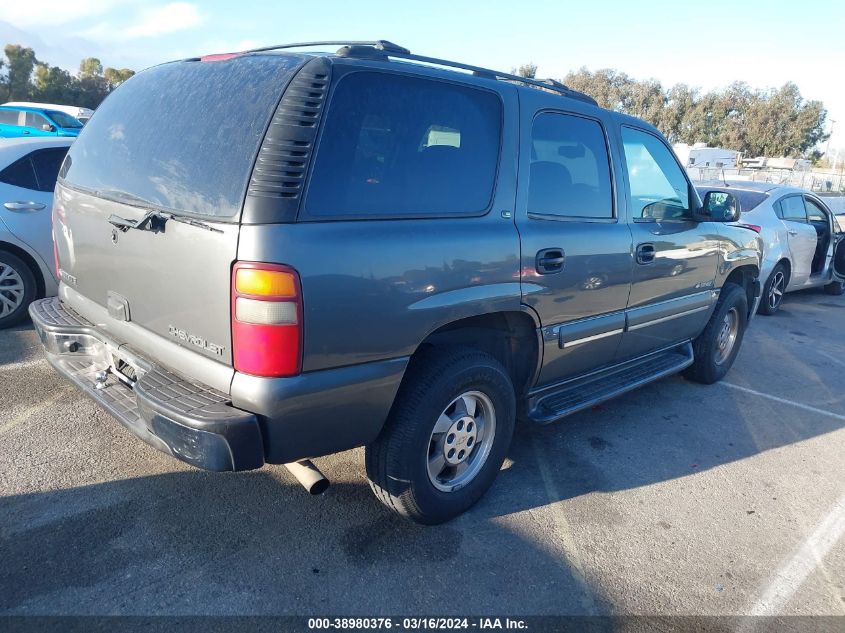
[[744, 277], [29, 261], [510, 337], [788, 265]]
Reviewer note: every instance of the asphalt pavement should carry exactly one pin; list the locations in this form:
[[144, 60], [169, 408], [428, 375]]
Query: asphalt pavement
[[676, 499]]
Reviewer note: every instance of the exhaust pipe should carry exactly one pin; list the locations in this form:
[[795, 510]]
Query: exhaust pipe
[[309, 476]]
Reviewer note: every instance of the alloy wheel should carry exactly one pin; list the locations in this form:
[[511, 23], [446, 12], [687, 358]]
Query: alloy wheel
[[726, 339], [11, 290], [461, 441]]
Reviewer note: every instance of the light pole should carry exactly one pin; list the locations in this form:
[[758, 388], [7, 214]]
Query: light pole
[[827, 147]]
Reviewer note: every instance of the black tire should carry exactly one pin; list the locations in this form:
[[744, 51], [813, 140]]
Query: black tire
[[397, 462], [835, 288], [780, 272], [21, 271], [708, 367]]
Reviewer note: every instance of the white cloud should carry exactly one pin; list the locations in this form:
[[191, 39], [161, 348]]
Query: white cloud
[[52, 12], [176, 16], [162, 20]]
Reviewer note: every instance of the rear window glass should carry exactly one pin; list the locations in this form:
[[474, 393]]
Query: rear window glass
[[183, 136], [748, 200], [405, 146]]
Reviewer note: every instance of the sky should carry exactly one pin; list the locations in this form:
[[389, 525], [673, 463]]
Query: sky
[[709, 43]]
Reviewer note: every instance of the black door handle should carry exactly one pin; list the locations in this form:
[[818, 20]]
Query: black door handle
[[549, 260], [645, 253]]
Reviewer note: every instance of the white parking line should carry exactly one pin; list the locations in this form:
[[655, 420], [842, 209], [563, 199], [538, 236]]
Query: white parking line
[[564, 531], [38, 408], [794, 571], [798, 405], [831, 358]]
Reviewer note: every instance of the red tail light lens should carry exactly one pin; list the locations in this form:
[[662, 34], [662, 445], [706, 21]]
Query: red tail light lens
[[266, 320], [751, 227]]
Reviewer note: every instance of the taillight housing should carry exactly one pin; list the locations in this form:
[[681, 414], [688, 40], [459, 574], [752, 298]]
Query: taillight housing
[[266, 319], [751, 227]]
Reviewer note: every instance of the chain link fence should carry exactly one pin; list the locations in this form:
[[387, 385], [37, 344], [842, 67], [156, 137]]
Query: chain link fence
[[819, 181]]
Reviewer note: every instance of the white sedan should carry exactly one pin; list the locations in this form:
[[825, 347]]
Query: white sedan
[[28, 171], [804, 246]]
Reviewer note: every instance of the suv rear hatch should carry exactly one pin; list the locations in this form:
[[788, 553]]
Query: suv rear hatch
[[178, 141]]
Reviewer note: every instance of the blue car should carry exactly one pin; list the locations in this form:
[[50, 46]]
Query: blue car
[[21, 121]]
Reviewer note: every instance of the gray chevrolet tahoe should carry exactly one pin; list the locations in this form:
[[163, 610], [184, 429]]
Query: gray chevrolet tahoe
[[270, 256]]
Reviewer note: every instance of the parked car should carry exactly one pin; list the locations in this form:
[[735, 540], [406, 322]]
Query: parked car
[[19, 121], [416, 257], [800, 236], [28, 171], [77, 112]]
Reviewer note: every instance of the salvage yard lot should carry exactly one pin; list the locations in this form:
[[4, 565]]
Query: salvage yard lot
[[674, 499]]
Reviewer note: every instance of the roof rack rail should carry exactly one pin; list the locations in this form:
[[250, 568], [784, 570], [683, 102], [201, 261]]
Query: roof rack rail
[[384, 49], [380, 45]]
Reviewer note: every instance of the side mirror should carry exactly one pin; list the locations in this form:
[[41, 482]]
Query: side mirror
[[48, 128], [720, 206]]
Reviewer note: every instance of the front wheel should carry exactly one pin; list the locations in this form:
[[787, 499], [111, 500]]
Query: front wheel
[[717, 346], [446, 437]]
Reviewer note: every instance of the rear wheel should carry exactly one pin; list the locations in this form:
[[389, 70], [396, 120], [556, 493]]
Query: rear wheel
[[774, 290], [835, 288], [17, 289], [446, 437], [717, 346]]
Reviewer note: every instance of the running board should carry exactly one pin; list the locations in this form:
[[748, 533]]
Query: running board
[[553, 403]]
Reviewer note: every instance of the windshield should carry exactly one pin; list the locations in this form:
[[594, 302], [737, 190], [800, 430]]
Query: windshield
[[63, 119]]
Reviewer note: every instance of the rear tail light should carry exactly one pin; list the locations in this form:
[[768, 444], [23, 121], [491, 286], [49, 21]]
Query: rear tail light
[[266, 320], [751, 227], [56, 220]]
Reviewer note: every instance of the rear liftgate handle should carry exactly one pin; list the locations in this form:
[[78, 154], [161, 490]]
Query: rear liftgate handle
[[550, 261]]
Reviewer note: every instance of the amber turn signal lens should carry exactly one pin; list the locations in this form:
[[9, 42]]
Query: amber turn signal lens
[[265, 283]]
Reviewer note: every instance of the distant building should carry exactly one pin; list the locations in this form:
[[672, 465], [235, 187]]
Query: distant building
[[701, 156]]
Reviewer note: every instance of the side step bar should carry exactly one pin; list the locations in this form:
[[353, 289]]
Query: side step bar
[[553, 403]]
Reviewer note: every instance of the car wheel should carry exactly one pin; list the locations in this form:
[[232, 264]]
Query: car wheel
[[835, 288], [446, 436], [717, 346], [17, 289], [773, 291]]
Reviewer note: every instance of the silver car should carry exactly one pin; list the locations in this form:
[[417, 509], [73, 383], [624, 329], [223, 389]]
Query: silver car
[[803, 241], [28, 171]]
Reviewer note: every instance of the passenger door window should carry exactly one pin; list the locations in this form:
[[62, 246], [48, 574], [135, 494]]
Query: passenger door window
[[570, 168], [792, 209], [398, 146], [658, 189]]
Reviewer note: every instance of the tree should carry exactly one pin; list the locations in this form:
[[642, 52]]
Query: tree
[[528, 71], [772, 123], [90, 67], [115, 77], [20, 64]]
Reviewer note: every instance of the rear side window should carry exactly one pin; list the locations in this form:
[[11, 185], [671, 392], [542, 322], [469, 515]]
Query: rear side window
[[793, 210], [20, 174], [570, 168], [404, 146], [9, 117], [182, 136]]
